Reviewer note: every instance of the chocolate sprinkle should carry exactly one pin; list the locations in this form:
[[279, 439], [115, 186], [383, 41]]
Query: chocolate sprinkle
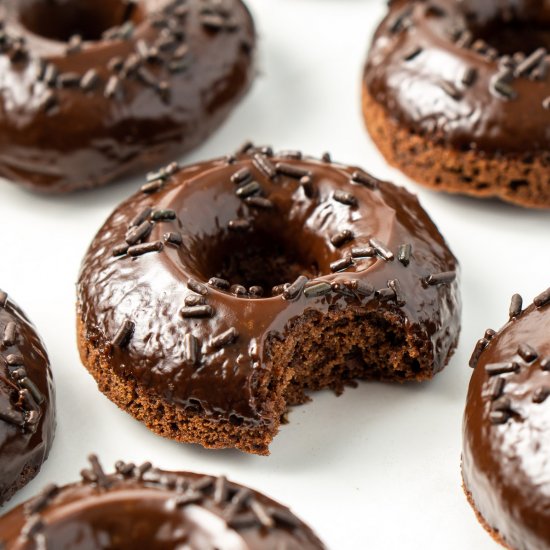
[[189, 312], [450, 89], [113, 87], [530, 62], [174, 238], [140, 249], [194, 300], [496, 387], [527, 353], [396, 287], [197, 287], [120, 249], [404, 254], [139, 233], [493, 369], [516, 305], [163, 215], [241, 176], [469, 76], [264, 165], [248, 189], [499, 417], [478, 350], [291, 171], [101, 479], [341, 238], [545, 364], [239, 225], [363, 252], [191, 349], [364, 179], [3, 298], [541, 394], [383, 251], [222, 284], [225, 338], [9, 334], [542, 299], [141, 217], [444, 278], [343, 263], [344, 198], [296, 288], [259, 202], [124, 334], [316, 289]]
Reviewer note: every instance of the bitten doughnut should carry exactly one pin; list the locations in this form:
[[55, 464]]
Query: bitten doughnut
[[221, 293], [27, 400], [506, 441], [94, 89], [456, 94], [143, 507]]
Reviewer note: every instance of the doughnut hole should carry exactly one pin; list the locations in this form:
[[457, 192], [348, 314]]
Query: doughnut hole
[[60, 19], [260, 259]]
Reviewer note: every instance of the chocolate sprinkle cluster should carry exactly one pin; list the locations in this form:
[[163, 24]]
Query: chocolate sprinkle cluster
[[534, 66], [499, 373], [253, 195], [238, 506], [23, 410], [148, 64]]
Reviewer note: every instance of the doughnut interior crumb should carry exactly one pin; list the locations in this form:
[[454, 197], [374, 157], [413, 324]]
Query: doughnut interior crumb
[[319, 351]]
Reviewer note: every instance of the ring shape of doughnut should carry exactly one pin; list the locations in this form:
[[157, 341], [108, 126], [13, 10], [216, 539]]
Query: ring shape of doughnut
[[27, 400], [457, 96], [143, 507], [94, 89], [506, 435], [224, 291]]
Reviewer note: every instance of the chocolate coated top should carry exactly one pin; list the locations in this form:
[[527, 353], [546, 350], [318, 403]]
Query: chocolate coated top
[[27, 399], [142, 507], [202, 345], [507, 429], [79, 107], [439, 67]]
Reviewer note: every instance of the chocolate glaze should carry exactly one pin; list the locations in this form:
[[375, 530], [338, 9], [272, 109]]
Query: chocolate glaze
[[66, 122], [160, 511], [507, 432], [417, 68], [150, 290], [27, 399]]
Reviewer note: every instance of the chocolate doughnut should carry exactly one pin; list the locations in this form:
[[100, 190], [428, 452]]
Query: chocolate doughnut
[[223, 292], [143, 507], [456, 94], [506, 436], [27, 400], [95, 89]]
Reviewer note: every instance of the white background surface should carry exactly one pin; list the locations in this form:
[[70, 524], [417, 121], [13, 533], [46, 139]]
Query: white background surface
[[379, 467]]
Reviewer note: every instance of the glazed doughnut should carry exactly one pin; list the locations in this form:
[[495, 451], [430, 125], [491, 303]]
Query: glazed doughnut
[[143, 507], [223, 292], [27, 400], [505, 464], [456, 94], [94, 89]]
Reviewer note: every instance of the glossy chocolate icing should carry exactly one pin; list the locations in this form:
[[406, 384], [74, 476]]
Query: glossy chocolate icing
[[145, 296], [506, 441], [143, 507], [76, 115], [27, 399], [431, 71]]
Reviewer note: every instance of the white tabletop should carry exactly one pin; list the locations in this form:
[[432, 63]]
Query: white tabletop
[[379, 467]]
